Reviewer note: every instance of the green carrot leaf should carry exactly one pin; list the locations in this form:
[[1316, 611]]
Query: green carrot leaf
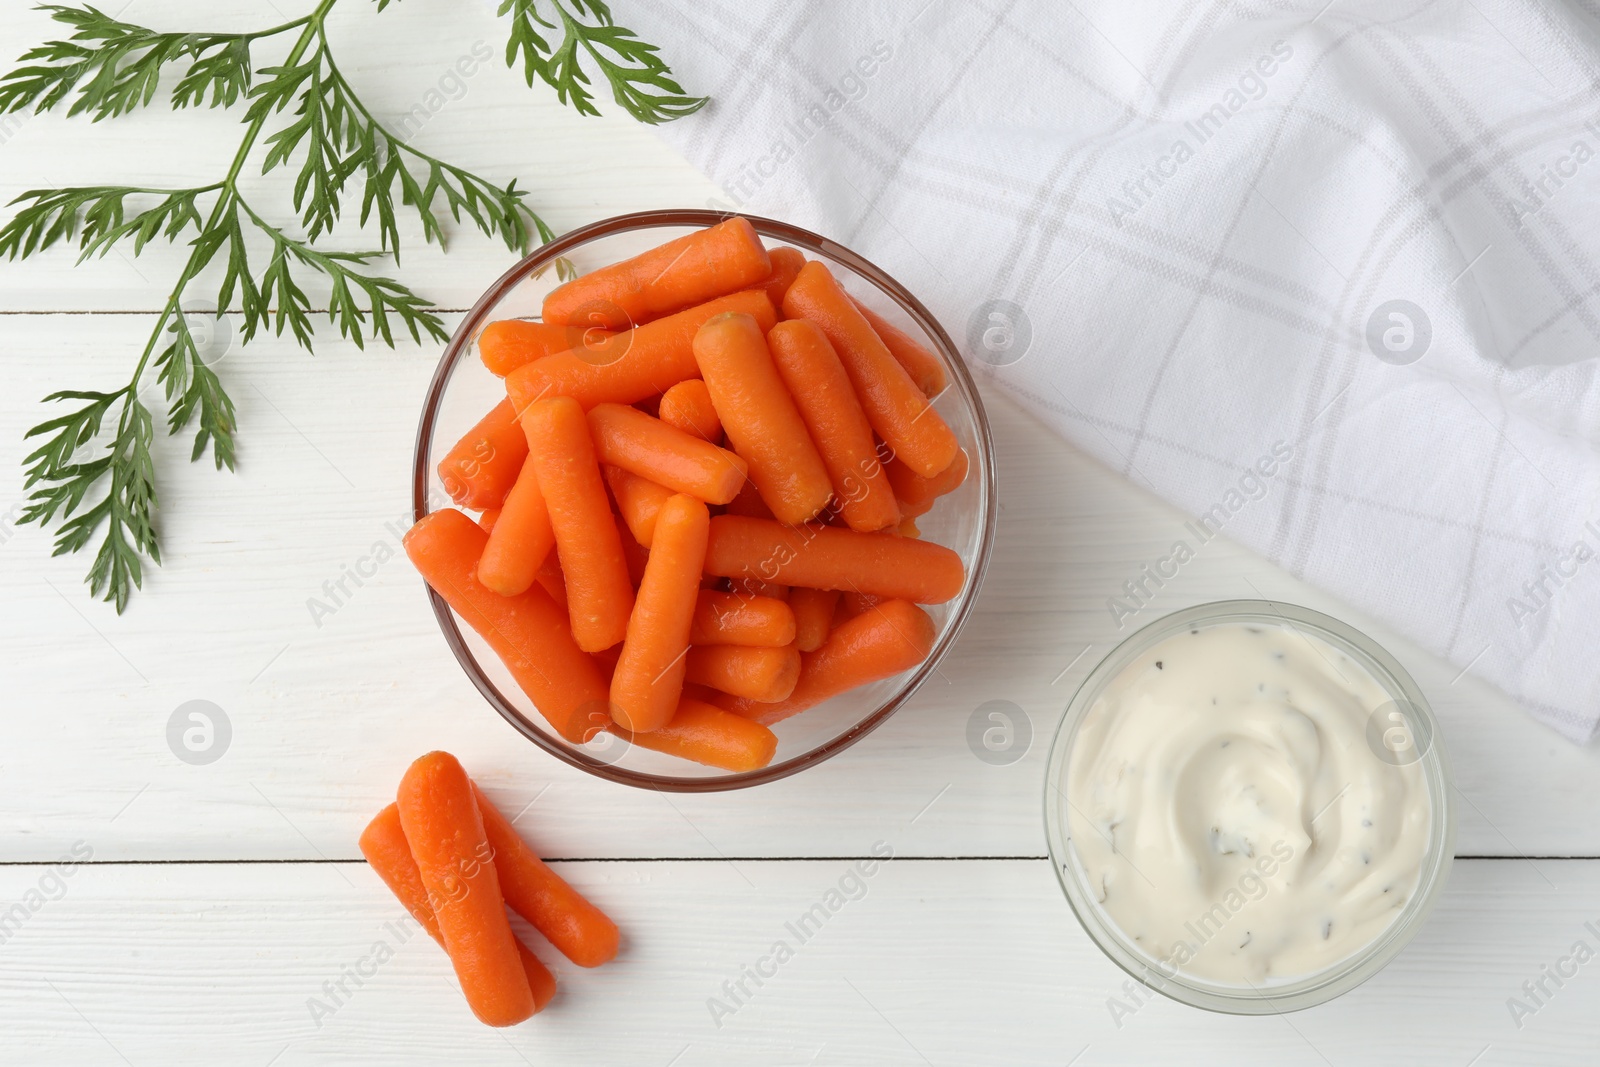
[[91, 473], [641, 82]]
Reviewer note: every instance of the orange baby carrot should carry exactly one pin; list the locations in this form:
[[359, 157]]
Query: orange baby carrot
[[442, 825], [687, 406], [649, 676], [633, 552], [786, 263], [384, 845], [731, 619], [825, 557], [529, 632], [638, 500], [761, 674], [511, 343], [760, 418], [915, 491], [554, 583], [749, 502], [706, 734], [755, 587], [922, 365], [813, 616], [607, 659], [487, 519], [582, 932], [908, 528], [520, 540], [634, 365], [480, 469], [599, 594], [843, 612], [628, 438], [827, 401], [858, 603], [890, 638], [896, 408], [688, 270]]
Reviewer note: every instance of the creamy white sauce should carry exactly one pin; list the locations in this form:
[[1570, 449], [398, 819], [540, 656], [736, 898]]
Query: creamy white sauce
[[1231, 816]]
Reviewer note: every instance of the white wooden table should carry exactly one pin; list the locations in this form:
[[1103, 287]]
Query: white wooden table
[[220, 900]]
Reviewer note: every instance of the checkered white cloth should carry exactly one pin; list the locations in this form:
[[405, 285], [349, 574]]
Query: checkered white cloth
[[1325, 277]]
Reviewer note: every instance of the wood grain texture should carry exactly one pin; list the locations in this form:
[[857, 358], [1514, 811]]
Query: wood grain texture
[[576, 169], [943, 961], [327, 711], [925, 963]]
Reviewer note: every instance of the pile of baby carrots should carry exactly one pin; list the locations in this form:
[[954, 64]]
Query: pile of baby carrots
[[699, 499], [456, 863]]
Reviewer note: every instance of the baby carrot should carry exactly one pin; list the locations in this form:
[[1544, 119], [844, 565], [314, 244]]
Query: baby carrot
[[520, 540], [760, 418], [786, 263], [529, 632], [627, 438], [883, 641], [599, 595], [858, 603], [649, 676], [915, 491], [384, 845], [607, 659], [755, 587], [749, 502], [480, 469], [760, 674], [896, 408], [633, 552], [687, 406], [908, 528], [821, 389], [445, 832], [554, 583], [634, 365], [510, 343], [638, 500], [843, 612], [825, 557], [689, 270], [487, 519], [922, 365], [731, 619], [706, 734], [582, 932], [813, 616]]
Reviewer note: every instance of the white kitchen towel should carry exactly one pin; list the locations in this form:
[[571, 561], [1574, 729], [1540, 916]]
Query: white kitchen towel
[[1326, 275]]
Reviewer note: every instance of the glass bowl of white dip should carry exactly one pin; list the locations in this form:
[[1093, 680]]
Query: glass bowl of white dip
[[1248, 806]]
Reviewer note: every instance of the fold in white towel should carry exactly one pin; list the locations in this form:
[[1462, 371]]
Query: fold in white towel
[[1329, 280]]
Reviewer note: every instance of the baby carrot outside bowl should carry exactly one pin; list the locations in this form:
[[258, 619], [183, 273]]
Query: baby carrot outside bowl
[[464, 390]]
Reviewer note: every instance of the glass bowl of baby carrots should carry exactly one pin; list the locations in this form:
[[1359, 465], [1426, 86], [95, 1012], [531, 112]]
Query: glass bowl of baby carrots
[[701, 500]]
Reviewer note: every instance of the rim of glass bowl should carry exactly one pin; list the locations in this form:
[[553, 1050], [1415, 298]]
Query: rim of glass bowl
[[1313, 989], [961, 380]]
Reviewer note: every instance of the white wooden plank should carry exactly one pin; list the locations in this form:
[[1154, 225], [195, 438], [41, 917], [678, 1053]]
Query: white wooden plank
[[325, 718], [577, 169], [937, 963]]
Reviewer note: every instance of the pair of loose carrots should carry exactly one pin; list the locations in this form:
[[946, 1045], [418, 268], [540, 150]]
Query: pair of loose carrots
[[690, 467], [456, 863]]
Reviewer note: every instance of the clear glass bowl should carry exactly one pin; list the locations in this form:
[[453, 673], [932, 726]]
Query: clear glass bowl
[[1418, 740], [462, 390]]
